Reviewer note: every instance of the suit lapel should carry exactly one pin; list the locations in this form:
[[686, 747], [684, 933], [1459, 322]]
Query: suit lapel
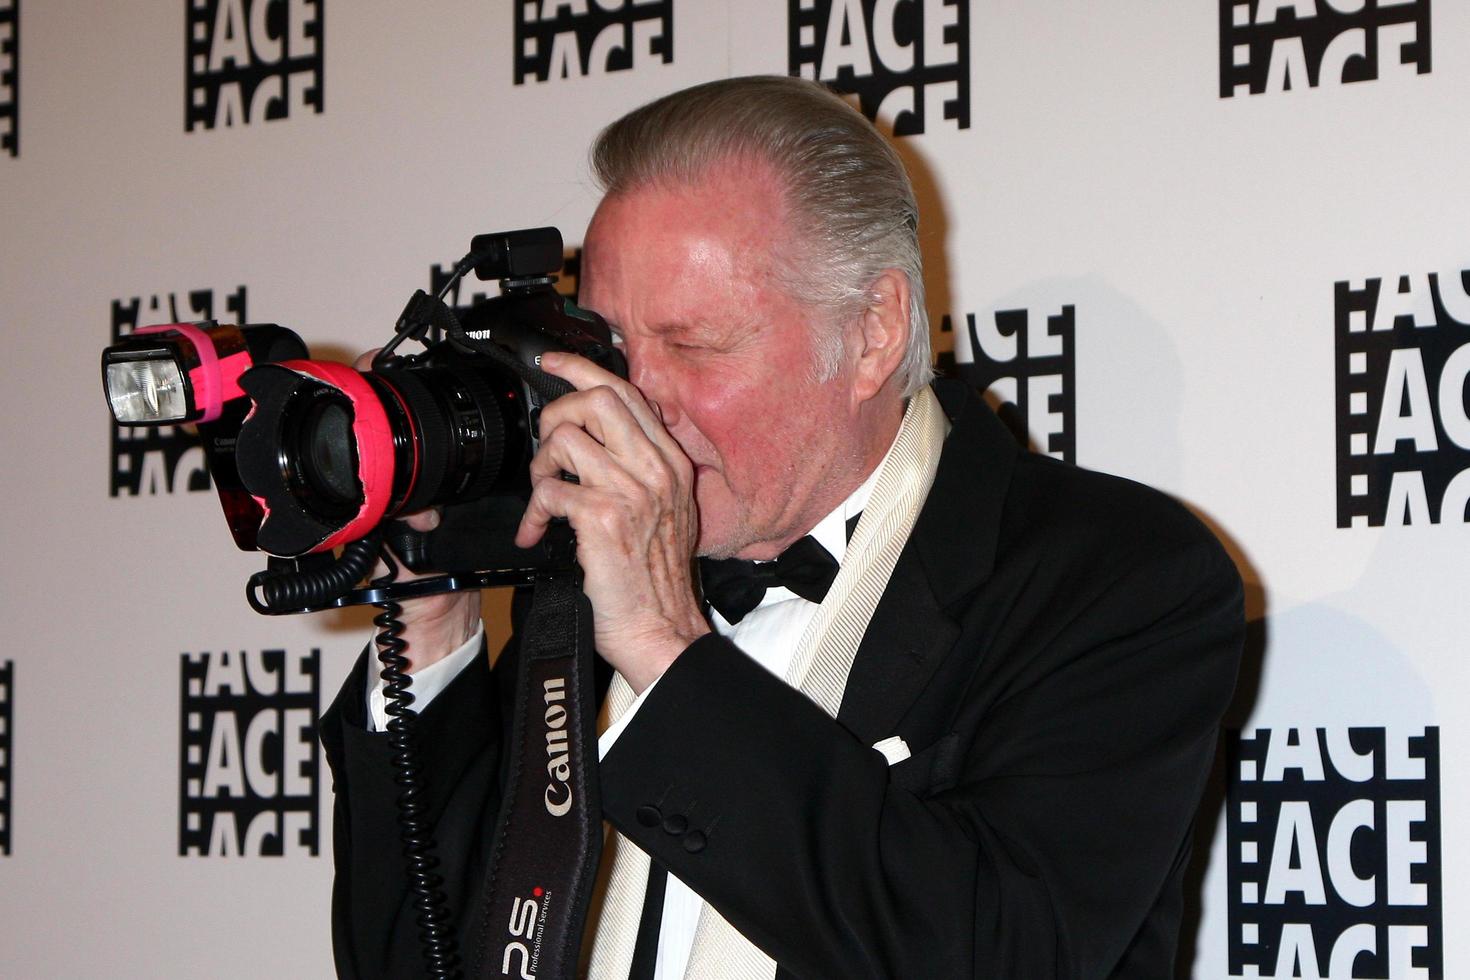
[[905, 640], [950, 552]]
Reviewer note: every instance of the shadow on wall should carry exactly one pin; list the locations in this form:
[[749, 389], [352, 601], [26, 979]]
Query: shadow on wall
[[1316, 664], [1128, 387]]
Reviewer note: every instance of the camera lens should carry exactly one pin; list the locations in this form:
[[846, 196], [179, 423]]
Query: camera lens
[[466, 420], [331, 451], [317, 454], [310, 451], [327, 452]]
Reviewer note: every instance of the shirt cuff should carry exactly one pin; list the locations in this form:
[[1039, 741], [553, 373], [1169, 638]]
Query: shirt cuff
[[606, 739], [427, 682]]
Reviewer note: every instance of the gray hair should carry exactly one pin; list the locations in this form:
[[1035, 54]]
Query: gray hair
[[847, 192]]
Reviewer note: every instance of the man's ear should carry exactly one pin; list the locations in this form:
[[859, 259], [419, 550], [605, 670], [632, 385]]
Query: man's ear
[[882, 334]]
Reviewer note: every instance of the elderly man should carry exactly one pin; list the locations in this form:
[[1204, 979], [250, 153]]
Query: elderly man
[[978, 755]]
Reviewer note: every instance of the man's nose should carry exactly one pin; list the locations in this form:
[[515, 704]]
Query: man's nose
[[653, 384]]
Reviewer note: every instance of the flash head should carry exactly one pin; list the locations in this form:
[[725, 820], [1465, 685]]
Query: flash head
[[146, 386], [187, 372], [175, 372], [522, 254]]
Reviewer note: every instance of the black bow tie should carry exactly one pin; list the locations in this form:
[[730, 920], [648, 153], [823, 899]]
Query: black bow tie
[[735, 586]]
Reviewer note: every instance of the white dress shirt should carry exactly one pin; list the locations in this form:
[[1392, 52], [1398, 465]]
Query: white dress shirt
[[426, 682]]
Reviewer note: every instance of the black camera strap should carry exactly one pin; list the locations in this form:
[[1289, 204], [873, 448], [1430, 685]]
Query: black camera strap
[[548, 837]]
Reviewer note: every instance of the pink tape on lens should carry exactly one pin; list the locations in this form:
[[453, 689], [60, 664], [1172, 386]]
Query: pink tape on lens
[[370, 429], [204, 379]]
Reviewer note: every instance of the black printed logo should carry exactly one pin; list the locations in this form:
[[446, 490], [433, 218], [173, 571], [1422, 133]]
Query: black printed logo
[[1403, 433], [1334, 857], [252, 60], [10, 77], [907, 61], [1281, 45], [7, 717], [167, 458], [1022, 360], [248, 758], [572, 38]]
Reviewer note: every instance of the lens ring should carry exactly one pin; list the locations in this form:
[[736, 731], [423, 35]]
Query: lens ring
[[492, 432], [433, 455], [322, 470]]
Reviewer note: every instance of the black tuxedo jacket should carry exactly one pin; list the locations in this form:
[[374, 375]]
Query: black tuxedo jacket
[[1055, 646]]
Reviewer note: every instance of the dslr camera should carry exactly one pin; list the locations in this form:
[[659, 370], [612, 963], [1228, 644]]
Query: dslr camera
[[313, 460]]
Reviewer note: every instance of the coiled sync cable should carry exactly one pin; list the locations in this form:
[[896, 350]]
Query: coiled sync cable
[[291, 590], [295, 591], [425, 884]]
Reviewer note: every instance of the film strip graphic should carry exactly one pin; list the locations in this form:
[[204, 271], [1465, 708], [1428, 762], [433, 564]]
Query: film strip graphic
[[1403, 441], [1333, 858], [603, 38], [918, 56], [1028, 365], [7, 724], [10, 77], [249, 760], [261, 56], [1357, 46], [149, 459]]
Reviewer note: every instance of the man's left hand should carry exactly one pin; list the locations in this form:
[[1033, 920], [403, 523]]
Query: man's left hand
[[633, 510]]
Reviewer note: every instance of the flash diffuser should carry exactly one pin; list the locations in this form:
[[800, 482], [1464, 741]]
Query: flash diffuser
[[147, 389]]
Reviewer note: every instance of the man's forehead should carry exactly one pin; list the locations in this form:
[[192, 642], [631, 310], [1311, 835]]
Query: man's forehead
[[733, 198], [657, 234]]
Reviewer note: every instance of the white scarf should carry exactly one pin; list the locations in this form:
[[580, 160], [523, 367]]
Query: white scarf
[[819, 670]]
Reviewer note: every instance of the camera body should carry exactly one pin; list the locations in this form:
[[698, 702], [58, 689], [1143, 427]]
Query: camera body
[[309, 457]]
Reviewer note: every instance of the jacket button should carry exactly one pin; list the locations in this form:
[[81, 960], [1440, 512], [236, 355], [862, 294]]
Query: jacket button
[[676, 824], [694, 841], [650, 815]]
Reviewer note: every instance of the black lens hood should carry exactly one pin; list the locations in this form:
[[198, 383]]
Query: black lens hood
[[289, 529]]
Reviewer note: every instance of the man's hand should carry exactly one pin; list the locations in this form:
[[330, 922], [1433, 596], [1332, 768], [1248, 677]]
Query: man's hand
[[633, 510], [434, 626]]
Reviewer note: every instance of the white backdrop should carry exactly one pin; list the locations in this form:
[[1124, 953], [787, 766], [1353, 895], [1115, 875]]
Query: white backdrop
[[1198, 238]]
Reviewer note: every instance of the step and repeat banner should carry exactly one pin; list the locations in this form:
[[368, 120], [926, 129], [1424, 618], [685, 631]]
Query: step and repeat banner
[[1219, 246]]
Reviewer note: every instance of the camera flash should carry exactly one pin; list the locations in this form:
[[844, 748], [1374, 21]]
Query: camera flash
[[150, 388]]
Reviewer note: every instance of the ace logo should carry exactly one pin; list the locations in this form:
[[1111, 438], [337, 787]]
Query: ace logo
[[252, 60], [907, 61], [1280, 45], [10, 77], [249, 764], [573, 38], [168, 458], [1025, 365], [7, 715], [1403, 431], [1333, 838]]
